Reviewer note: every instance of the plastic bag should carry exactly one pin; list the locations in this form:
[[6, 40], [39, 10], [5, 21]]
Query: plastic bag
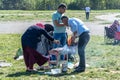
[[18, 53], [69, 49], [5, 64]]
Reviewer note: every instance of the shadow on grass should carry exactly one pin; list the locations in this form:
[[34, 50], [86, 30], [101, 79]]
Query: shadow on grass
[[64, 74], [1, 73], [18, 74], [109, 44], [112, 44]]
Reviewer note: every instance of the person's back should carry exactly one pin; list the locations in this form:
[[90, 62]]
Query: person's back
[[78, 24], [30, 37]]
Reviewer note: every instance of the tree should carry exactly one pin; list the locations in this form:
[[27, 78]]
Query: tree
[[52, 4], [11, 4], [1, 5], [98, 4]]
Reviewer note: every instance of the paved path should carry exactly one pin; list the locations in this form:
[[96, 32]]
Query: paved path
[[15, 26], [109, 17], [95, 27]]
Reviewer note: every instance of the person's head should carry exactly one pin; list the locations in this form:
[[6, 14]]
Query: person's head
[[65, 20], [49, 28], [61, 8], [115, 23], [39, 24]]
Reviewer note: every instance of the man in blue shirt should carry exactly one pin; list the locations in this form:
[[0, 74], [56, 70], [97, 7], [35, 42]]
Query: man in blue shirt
[[59, 27], [79, 30]]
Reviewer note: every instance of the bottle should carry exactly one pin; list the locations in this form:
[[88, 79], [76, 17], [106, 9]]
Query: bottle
[[64, 67]]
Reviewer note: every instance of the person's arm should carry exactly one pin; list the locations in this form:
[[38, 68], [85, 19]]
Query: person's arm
[[74, 36], [74, 28], [75, 33], [56, 20], [58, 24], [49, 37]]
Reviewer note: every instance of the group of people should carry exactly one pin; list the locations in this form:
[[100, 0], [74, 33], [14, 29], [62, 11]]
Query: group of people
[[32, 36]]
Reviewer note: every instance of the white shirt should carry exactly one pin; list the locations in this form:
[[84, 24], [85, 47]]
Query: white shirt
[[77, 25], [87, 9]]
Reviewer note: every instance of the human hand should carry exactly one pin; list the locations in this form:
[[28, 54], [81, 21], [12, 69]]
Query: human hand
[[56, 41], [73, 38]]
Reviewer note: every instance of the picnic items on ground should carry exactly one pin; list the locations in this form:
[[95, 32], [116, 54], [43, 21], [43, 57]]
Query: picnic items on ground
[[59, 56], [5, 64], [19, 54]]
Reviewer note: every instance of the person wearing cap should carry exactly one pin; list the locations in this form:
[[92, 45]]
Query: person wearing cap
[[82, 32], [59, 27], [29, 41]]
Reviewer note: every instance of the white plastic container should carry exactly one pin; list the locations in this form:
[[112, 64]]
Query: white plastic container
[[56, 71]]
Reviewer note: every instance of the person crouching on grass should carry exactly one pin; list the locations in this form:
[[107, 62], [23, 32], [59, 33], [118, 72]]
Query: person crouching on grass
[[79, 30], [29, 41]]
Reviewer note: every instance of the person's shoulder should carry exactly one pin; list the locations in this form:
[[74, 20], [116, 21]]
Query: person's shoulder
[[55, 13], [70, 19], [88, 7], [73, 18], [32, 27], [36, 27]]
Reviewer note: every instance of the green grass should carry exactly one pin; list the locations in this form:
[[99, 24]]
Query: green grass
[[106, 22], [104, 61], [15, 15]]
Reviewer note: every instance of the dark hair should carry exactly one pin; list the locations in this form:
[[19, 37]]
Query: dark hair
[[62, 5], [49, 27], [64, 17]]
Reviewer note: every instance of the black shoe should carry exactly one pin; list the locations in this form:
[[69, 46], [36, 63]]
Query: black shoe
[[78, 70], [32, 70], [76, 67]]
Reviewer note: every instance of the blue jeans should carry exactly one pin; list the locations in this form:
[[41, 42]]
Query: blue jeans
[[62, 37], [83, 40]]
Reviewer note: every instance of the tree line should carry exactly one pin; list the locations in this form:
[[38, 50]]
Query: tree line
[[52, 4]]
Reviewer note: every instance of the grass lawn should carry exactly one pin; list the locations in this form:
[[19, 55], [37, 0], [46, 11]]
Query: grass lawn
[[104, 61], [14, 15]]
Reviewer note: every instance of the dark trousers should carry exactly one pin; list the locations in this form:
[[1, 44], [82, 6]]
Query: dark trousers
[[87, 15], [31, 57], [83, 40]]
